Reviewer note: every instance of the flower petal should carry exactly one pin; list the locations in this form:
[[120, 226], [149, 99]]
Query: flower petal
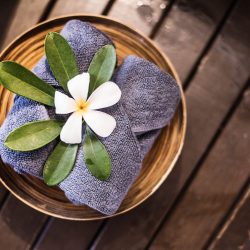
[[78, 86], [104, 96], [64, 104], [72, 130], [101, 123]]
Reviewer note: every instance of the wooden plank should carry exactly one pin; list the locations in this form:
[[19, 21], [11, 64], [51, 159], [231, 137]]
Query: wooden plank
[[13, 22], [60, 228], [235, 232], [213, 190], [79, 234], [209, 97], [187, 29], [142, 15], [25, 15], [6, 14], [75, 230], [19, 224], [3, 193], [66, 7], [66, 235]]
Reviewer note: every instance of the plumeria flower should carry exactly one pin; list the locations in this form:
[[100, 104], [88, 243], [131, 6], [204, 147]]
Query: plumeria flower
[[85, 108]]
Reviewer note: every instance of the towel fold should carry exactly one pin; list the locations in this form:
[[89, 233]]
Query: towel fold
[[149, 100], [149, 95]]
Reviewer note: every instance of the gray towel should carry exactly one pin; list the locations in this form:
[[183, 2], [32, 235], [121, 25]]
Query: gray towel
[[149, 95], [149, 99]]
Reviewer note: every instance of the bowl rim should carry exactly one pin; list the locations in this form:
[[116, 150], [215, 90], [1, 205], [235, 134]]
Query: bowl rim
[[182, 103]]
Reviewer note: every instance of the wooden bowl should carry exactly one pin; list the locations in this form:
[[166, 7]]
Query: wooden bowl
[[27, 49]]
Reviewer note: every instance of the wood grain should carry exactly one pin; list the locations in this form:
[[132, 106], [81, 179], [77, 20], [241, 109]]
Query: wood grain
[[20, 21], [66, 7], [235, 232], [67, 235], [3, 193], [60, 8], [14, 232], [213, 190], [13, 22], [187, 29], [18, 224], [57, 228], [209, 97], [27, 50], [140, 224], [6, 14], [142, 15]]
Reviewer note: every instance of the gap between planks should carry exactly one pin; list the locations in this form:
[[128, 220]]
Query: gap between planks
[[47, 10], [229, 217], [223, 196], [104, 12], [209, 44], [162, 18], [217, 127], [42, 232], [109, 8], [196, 169], [49, 5]]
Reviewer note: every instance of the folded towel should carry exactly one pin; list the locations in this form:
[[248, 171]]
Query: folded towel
[[84, 39], [23, 111], [149, 95], [149, 99]]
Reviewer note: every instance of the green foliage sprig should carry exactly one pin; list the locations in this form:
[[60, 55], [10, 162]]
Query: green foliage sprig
[[34, 135]]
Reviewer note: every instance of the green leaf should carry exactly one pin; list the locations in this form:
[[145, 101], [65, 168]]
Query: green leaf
[[21, 81], [33, 135], [96, 156], [101, 67], [61, 58], [60, 163]]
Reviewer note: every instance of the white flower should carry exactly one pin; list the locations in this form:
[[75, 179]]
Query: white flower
[[101, 123]]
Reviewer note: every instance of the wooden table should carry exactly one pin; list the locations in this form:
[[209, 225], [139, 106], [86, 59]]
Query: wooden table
[[205, 202]]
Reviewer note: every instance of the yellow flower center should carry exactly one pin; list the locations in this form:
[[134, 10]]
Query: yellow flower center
[[82, 106]]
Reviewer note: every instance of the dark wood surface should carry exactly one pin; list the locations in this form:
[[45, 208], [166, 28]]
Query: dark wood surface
[[204, 203], [235, 232]]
